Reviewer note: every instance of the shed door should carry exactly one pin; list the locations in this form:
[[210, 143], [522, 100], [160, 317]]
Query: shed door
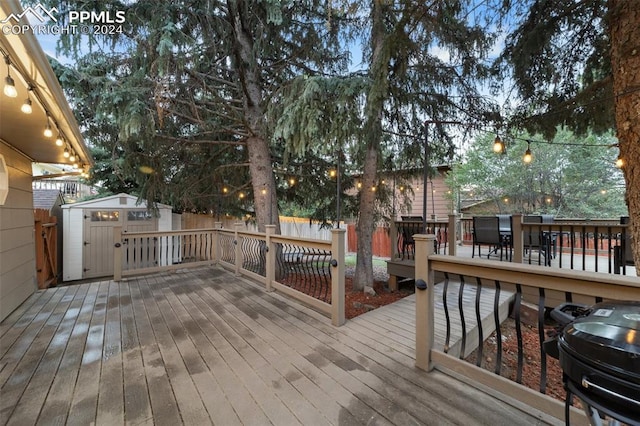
[[98, 233], [98, 241]]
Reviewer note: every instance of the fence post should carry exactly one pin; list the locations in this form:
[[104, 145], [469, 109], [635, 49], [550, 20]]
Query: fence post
[[337, 277], [452, 234], [424, 301], [237, 227], [117, 253], [517, 243], [270, 273], [216, 242]]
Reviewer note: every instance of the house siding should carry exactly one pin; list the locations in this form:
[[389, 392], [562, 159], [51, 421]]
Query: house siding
[[17, 246]]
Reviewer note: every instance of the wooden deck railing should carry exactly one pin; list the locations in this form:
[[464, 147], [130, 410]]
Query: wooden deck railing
[[579, 244], [306, 269], [533, 284]]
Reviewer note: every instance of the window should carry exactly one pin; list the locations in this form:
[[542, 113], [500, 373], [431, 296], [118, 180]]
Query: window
[[133, 215], [105, 216]]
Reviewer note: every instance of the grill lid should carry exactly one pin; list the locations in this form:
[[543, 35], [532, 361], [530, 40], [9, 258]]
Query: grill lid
[[609, 335]]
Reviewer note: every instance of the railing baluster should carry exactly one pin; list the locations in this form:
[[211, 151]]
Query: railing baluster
[[497, 324], [446, 312], [479, 320], [516, 308], [462, 319], [541, 338]]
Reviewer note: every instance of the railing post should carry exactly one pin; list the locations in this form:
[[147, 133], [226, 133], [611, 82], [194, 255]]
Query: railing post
[[517, 243], [270, 272], [424, 301], [452, 234], [216, 242], [393, 239], [237, 227], [117, 253], [337, 277]]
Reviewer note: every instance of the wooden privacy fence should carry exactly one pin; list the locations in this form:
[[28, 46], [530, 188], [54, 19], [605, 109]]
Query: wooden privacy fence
[[46, 235], [307, 269]]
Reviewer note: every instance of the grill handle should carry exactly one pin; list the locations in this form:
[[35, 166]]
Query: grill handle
[[587, 384]]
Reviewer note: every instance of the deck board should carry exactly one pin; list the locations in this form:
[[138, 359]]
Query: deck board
[[205, 347]]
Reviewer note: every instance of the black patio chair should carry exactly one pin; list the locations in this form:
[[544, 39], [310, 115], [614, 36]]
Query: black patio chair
[[486, 231], [506, 232], [407, 228], [535, 239]]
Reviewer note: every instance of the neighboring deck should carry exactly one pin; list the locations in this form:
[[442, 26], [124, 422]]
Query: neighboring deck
[[405, 268], [203, 346]]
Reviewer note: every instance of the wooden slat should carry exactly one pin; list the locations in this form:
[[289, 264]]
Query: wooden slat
[[202, 346]]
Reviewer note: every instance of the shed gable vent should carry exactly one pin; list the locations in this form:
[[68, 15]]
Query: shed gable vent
[[123, 201]]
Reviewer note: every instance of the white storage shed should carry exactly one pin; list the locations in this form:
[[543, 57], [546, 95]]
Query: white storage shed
[[88, 232]]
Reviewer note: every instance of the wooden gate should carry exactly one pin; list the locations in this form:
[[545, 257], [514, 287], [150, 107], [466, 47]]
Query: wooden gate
[[46, 248]]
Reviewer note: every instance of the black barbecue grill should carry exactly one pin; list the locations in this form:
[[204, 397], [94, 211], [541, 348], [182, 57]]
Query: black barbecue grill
[[599, 353]]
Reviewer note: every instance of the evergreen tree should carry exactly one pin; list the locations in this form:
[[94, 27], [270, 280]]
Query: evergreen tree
[[180, 96], [569, 176], [578, 64]]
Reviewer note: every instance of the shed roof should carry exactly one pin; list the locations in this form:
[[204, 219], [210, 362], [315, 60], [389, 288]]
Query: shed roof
[[124, 200], [47, 198]]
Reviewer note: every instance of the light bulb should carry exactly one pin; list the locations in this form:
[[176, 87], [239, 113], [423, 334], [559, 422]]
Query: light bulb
[[47, 131], [66, 153], [10, 87], [26, 107], [498, 146], [59, 140], [528, 157]]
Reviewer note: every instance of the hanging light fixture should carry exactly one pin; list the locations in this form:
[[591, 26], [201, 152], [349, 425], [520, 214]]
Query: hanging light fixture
[[66, 153], [59, 140], [498, 145], [9, 84], [528, 157], [619, 163], [47, 130], [26, 106], [72, 156]]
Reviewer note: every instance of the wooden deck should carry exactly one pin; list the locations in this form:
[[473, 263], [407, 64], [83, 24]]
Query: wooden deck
[[204, 347]]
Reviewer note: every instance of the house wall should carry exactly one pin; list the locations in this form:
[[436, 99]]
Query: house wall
[[17, 244], [438, 201]]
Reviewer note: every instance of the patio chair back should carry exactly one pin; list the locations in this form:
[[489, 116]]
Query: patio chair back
[[532, 237], [486, 231]]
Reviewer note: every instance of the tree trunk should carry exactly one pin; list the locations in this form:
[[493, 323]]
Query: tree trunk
[[260, 164], [625, 64], [378, 93]]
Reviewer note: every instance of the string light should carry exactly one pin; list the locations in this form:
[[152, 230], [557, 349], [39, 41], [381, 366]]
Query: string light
[[498, 145], [619, 163], [10, 90], [9, 84], [26, 106], [528, 157], [47, 130]]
